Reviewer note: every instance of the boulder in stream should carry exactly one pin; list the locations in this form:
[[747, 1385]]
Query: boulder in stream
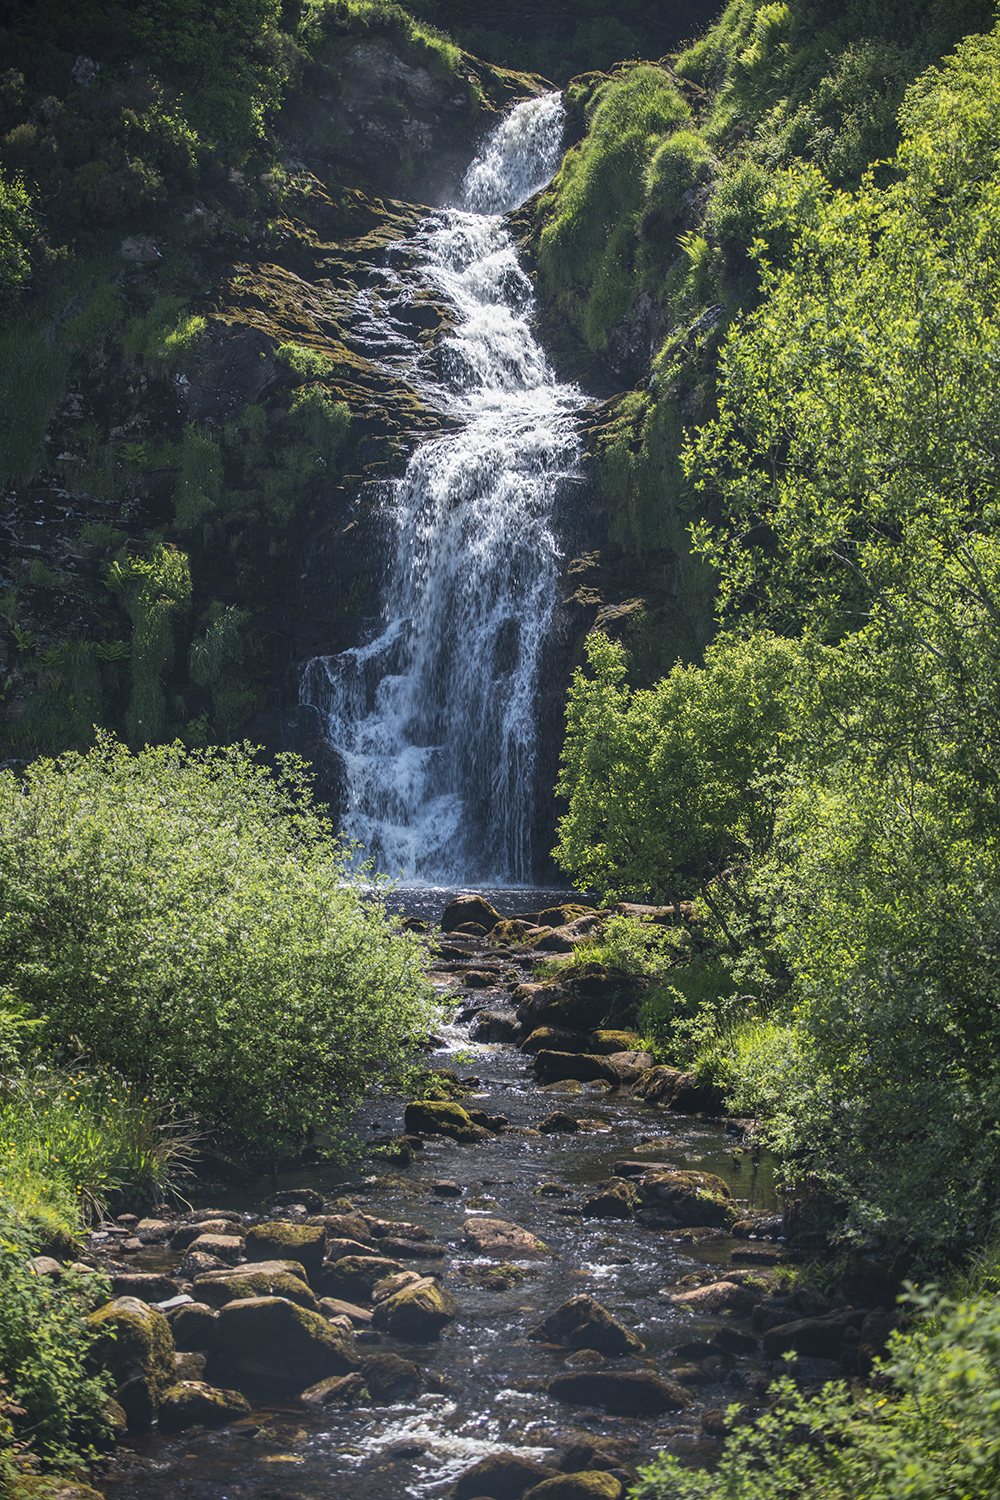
[[502, 1241], [276, 1339], [679, 1091], [698, 1198], [416, 1313], [336, 1390], [193, 1324], [583, 1323], [440, 1117], [500, 1476], [273, 1278], [354, 1277], [558, 1039], [279, 1240], [464, 909], [627, 1393], [134, 1342], [389, 1377], [718, 1297], [587, 1484], [192, 1403]]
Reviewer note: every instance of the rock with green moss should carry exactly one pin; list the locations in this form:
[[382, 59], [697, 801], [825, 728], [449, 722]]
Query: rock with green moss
[[273, 1278], [192, 1403], [589, 1484], [279, 1240], [688, 1198], [50, 1487], [336, 1390], [500, 1476], [277, 1340], [439, 1117], [416, 1313], [134, 1343], [583, 1323], [354, 1277]]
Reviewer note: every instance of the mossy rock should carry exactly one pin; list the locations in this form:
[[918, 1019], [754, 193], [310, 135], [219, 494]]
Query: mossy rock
[[274, 1339], [279, 1240], [500, 1476], [192, 1403], [589, 1484], [692, 1198], [132, 1337], [606, 1042], [417, 1312], [439, 1117], [50, 1487], [354, 1277], [273, 1279]]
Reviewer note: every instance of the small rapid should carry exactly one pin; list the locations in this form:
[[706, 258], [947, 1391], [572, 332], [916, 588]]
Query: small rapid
[[434, 715]]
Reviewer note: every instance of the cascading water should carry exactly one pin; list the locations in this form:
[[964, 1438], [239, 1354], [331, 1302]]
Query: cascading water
[[434, 717]]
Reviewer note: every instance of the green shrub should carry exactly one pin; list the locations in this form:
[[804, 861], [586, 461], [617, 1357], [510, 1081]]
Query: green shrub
[[186, 917], [152, 591], [18, 227], [200, 483], [934, 1431], [308, 364], [165, 334]]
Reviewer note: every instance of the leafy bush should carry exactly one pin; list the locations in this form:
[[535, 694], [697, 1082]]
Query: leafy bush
[[18, 227], [186, 917], [935, 1433]]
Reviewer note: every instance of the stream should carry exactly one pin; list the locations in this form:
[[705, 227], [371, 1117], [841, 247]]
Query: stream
[[484, 1384]]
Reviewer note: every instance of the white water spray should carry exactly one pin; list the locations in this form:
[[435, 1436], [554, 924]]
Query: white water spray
[[434, 717]]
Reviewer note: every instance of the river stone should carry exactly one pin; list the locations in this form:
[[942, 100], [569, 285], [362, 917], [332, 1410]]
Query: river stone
[[558, 1123], [134, 1343], [583, 1323], [697, 1198], [336, 1307], [587, 1484], [717, 1297], [411, 1249], [354, 1277], [469, 909], [557, 1039], [259, 1279], [584, 1359], [192, 1325], [607, 1042], [627, 1067], [344, 1226], [148, 1286], [337, 1390], [495, 1026], [227, 1248], [417, 1312], [275, 1338], [594, 1453], [390, 1285], [584, 1066], [445, 1188], [192, 1403], [626, 1393], [500, 1240], [616, 1200], [304, 1197], [389, 1377], [500, 1476], [817, 1338], [279, 1240], [731, 1341], [189, 1366], [437, 1117], [679, 1091], [382, 1228], [338, 1249], [188, 1233]]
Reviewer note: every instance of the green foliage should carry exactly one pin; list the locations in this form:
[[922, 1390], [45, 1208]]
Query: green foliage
[[674, 784], [152, 591], [432, 47], [44, 1341], [92, 1138], [308, 364], [217, 661], [165, 334], [18, 227], [934, 1432], [32, 380], [187, 917], [200, 483], [588, 244]]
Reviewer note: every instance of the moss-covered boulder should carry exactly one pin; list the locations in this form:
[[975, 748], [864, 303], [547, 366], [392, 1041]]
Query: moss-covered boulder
[[500, 1476], [440, 1117], [558, 1039], [192, 1403], [336, 1390], [133, 1341], [259, 1279], [389, 1377], [626, 1393], [278, 1340], [466, 909], [354, 1277], [416, 1313], [279, 1240], [606, 1041], [687, 1197], [583, 1323], [588, 1484], [193, 1324], [51, 1487]]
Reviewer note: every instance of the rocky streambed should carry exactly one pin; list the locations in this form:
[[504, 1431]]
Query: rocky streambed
[[540, 1277]]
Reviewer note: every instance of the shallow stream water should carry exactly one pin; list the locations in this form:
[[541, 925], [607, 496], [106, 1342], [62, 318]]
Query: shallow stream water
[[484, 1383]]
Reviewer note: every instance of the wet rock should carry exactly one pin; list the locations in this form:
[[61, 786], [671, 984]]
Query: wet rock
[[557, 1039], [381, 1229], [338, 1249], [354, 1277], [806, 1372], [587, 1484], [279, 1240], [390, 1285], [153, 1231], [303, 1197], [148, 1286], [496, 1278], [446, 1189], [416, 1313], [606, 1042], [585, 1359], [717, 1297], [465, 909], [818, 1338], [495, 1124], [188, 1365], [346, 1226], [715, 1423], [496, 1026], [390, 1378], [500, 1240], [192, 1325], [276, 1339], [687, 1197], [583, 1323], [691, 1375], [558, 1123], [411, 1249], [501, 1476], [227, 1248], [625, 1068], [616, 1200], [261, 1279], [584, 1066], [593, 1453], [437, 1117], [192, 1403], [196, 1264], [134, 1342], [336, 1390], [678, 1091], [188, 1233], [335, 1307], [622, 1392], [731, 1341]]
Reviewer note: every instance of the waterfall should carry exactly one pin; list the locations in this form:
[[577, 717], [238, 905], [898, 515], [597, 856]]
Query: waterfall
[[434, 714]]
